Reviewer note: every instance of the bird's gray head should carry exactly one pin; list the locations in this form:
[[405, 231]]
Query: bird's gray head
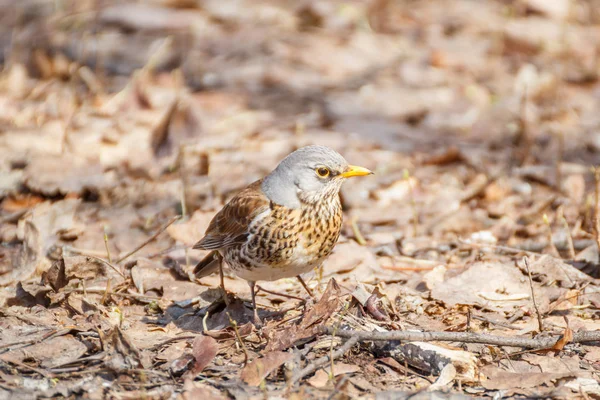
[[309, 175]]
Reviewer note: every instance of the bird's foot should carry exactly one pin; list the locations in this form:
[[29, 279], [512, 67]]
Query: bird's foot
[[225, 297], [257, 321]]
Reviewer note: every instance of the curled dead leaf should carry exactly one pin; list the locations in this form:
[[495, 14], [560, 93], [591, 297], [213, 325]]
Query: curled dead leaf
[[255, 372], [204, 350]]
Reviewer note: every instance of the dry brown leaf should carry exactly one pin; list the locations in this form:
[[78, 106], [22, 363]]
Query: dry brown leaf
[[502, 380], [197, 390], [27, 258], [255, 372], [565, 339], [204, 351], [49, 353], [122, 355], [329, 302], [494, 285], [321, 377]]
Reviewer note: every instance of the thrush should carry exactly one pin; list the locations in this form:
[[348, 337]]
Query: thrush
[[283, 225]]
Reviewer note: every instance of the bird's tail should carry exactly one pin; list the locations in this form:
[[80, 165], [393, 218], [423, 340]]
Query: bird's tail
[[208, 264]]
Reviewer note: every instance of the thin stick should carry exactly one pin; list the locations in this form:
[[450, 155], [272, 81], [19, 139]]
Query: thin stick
[[360, 239], [596, 205], [315, 365], [464, 337], [537, 310], [150, 239], [103, 291], [103, 261], [239, 337], [183, 179], [491, 321], [106, 245], [288, 296], [553, 248], [560, 151], [524, 138], [571, 246], [413, 203], [305, 286]]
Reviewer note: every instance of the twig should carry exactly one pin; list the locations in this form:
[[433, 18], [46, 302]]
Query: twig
[[239, 337], [532, 248], [523, 138], [106, 245], [464, 337], [103, 261], [315, 365], [596, 205], [91, 254], [491, 321], [413, 203], [171, 340], [84, 252], [559, 158], [426, 264], [183, 177], [553, 248], [537, 310], [360, 239], [103, 291], [288, 296], [29, 367], [570, 246], [150, 239]]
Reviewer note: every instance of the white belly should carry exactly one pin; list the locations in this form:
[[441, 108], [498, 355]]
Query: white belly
[[272, 274]]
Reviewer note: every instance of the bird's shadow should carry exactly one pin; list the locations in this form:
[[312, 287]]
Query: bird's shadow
[[213, 314]]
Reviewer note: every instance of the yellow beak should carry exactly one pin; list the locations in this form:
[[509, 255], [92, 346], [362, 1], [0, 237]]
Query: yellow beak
[[354, 170]]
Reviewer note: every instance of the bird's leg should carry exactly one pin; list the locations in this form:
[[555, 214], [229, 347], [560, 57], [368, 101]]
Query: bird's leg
[[222, 276], [257, 320], [310, 293]]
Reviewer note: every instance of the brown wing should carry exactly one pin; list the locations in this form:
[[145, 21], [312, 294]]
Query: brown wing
[[230, 225]]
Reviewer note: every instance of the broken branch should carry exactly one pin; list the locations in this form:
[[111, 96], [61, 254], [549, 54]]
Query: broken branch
[[464, 337]]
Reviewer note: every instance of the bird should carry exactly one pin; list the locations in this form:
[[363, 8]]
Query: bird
[[282, 225]]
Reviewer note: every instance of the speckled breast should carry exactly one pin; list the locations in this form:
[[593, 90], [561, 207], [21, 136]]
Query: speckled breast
[[287, 242]]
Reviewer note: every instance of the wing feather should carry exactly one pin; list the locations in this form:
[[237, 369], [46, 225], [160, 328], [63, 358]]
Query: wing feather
[[230, 225]]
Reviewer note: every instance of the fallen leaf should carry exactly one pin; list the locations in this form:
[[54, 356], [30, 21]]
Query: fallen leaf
[[255, 372], [204, 350], [30, 295], [502, 380], [122, 355], [446, 377], [585, 385], [197, 390], [321, 377], [26, 260], [329, 302], [56, 276], [566, 338], [552, 269], [498, 286], [49, 353]]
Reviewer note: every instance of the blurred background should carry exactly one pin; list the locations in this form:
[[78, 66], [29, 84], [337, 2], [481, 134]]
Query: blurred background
[[468, 111]]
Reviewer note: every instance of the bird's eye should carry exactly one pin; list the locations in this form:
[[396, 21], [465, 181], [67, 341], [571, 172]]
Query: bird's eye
[[323, 172]]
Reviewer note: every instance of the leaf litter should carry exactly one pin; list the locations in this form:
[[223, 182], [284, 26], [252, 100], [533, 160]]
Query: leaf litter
[[483, 136]]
